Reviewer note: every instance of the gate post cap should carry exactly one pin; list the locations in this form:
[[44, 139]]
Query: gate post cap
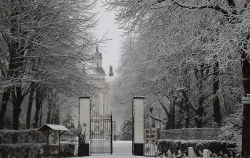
[[138, 97], [84, 97]]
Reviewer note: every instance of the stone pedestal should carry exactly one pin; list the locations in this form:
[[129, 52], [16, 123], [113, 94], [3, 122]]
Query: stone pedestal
[[138, 124], [84, 125]]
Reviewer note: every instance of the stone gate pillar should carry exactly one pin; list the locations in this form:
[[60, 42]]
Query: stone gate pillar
[[84, 125], [138, 126]]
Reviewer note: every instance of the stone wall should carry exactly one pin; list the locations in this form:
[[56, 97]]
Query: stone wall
[[191, 134]]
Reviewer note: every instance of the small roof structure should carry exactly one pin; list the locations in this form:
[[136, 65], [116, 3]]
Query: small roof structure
[[47, 127], [99, 70]]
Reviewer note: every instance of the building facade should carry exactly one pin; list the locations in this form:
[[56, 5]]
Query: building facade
[[100, 97]]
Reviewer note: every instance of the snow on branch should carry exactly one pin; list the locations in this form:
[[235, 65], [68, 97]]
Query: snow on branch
[[158, 119], [214, 7]]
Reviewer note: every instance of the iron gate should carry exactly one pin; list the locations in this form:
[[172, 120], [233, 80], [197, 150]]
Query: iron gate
[[100, 133], [150, 144]]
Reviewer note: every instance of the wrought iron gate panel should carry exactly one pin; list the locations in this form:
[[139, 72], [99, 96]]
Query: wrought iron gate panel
[[150, 144], [100, 133]]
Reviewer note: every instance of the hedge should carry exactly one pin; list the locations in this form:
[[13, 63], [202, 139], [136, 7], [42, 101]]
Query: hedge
[[21, 136], [23, 150], [191, 134], [215, 146], [28, 144], [67, 149]]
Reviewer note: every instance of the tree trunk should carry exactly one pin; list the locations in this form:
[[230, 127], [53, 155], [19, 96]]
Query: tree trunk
[[199, 110], [180, 115], [49, 111], [187, 109], [41, 115], [40, 95], [49, 116], [172, 113], [216, 102], [6, 95], [187, 117], [57, 116], [17, 102], [246, 108], [186, 101], [168, 123], [198, 119], [55, 113], [16, 114], [36, 117], [16, 65], [38, 107], [30, 102]]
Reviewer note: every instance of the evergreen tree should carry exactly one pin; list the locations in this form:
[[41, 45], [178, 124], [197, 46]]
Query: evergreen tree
[[126, 130]]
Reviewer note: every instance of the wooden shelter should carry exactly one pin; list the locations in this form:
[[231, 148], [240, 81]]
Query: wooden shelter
[[53, 134]]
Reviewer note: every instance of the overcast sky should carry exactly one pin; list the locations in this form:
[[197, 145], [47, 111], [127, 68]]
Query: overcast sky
[[111, 49]]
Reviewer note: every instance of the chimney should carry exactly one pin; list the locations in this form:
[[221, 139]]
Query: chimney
[[111, 71]]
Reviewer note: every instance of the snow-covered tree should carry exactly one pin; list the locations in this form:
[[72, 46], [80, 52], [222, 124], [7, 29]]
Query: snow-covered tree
[[42, 42], [126, 130], [209, 40]]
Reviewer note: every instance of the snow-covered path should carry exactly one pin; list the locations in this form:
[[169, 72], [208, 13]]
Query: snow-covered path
[[121, 149]]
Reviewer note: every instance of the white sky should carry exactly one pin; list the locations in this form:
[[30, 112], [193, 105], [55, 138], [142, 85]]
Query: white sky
[[111, 49]]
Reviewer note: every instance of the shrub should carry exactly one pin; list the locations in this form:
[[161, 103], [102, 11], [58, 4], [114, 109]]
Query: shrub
[[67, 149], [82, 143], [232, 130], [71, 136]]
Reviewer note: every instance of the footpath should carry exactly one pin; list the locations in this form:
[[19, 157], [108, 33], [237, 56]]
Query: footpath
[[121, 149]]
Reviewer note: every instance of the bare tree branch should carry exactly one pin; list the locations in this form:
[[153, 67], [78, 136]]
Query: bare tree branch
[[158, 119]]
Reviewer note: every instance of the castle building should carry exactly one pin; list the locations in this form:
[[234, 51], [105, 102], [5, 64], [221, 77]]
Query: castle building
[[100, 98]]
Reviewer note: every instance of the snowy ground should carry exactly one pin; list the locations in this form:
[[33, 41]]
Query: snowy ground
[[121, 149]]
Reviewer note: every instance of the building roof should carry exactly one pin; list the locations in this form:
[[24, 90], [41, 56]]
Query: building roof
[[99, 70], [47, 127], [96, 70]]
